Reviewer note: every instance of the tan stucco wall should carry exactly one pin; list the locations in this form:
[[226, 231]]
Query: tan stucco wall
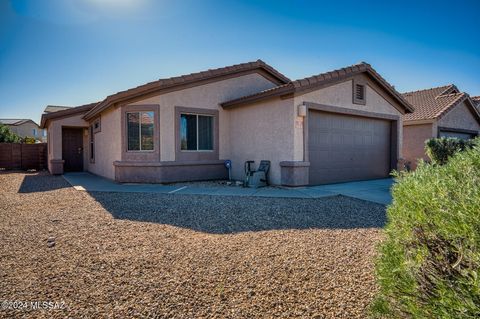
[[107, 144], [460, 117], [341, 95], [54, 127], [262, 131], [414, 137], [206, 96]]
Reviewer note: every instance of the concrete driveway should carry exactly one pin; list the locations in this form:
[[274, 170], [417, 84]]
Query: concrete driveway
[[377, 191]]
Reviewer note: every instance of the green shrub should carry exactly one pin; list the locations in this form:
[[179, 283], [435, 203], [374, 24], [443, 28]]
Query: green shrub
[[429, 263], [7, 136], [29, 140], [441, 149]]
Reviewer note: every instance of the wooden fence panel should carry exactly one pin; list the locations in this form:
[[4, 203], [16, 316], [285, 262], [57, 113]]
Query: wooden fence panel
[[6, 157], [23, 156]]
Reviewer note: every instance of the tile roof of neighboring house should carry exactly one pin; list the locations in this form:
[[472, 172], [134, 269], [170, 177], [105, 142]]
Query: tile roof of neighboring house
[[67, 112], [55, 108], [317, 80], [433, 103], [197, 78], [16, 122], [476, 100]]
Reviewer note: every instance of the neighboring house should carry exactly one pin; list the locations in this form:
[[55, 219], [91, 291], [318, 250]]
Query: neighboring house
[[25, 128], [338, 126], [439, 112], [476, 100]]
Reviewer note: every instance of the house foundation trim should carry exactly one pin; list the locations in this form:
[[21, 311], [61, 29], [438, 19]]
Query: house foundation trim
[[294, 173], [56, 166], [169, 171]]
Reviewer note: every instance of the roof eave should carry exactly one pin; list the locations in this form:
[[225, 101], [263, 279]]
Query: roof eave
[[123, 97], [296, 87], [255, 98], [396, 95], [65, 113], [465, 98], [418, 122]]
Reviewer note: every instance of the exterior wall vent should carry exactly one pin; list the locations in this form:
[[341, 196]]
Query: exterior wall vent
[[359, 93]]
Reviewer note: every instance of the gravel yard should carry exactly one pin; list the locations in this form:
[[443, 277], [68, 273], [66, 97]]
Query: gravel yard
[[183, 256]]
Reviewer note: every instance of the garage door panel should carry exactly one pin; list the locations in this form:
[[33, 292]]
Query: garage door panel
[[345, 148]]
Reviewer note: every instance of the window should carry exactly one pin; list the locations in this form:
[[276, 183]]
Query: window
[[44, 133], [140, 129], [92, 144], [96, 126], [359, 93], [196, 132], [34, 131]]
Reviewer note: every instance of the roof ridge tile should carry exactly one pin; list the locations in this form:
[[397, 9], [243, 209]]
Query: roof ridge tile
[[423, 90]]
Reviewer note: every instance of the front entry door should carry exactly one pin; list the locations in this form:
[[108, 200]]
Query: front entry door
[[72, 149]]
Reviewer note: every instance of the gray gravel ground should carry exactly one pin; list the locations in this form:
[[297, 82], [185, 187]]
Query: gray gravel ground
[[178, 256]]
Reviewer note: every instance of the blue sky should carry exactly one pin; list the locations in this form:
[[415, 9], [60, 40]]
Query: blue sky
[[67, 52]]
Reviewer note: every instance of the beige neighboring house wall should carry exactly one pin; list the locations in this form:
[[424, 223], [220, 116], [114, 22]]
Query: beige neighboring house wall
[[107, 143], [27, 130], [413, 148], [415, 135], [460, 117], [206, 96], [440, 108]]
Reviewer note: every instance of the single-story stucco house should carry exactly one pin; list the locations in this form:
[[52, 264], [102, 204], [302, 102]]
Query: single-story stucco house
[[439, 112], [337, 126]]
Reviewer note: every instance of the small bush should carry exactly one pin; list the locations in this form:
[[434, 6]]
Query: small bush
[[29, 140], [7, 136], [429, 264], [441, 149]]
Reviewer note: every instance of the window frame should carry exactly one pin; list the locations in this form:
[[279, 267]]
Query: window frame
[[139, 131], [212, 116], [97, 122], [91, 143], [197, 156]]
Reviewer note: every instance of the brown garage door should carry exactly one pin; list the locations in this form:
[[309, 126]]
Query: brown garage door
[[346, 148]]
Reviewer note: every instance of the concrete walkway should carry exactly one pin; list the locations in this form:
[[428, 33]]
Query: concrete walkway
[[377, 191]]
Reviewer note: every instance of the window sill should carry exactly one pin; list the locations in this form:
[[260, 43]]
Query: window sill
[[142, 152]]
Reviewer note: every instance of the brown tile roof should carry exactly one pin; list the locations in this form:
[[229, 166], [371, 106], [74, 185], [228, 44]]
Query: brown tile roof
[[67, 112], [312, 81], [433, 103], [476, 100], [189, 79]]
